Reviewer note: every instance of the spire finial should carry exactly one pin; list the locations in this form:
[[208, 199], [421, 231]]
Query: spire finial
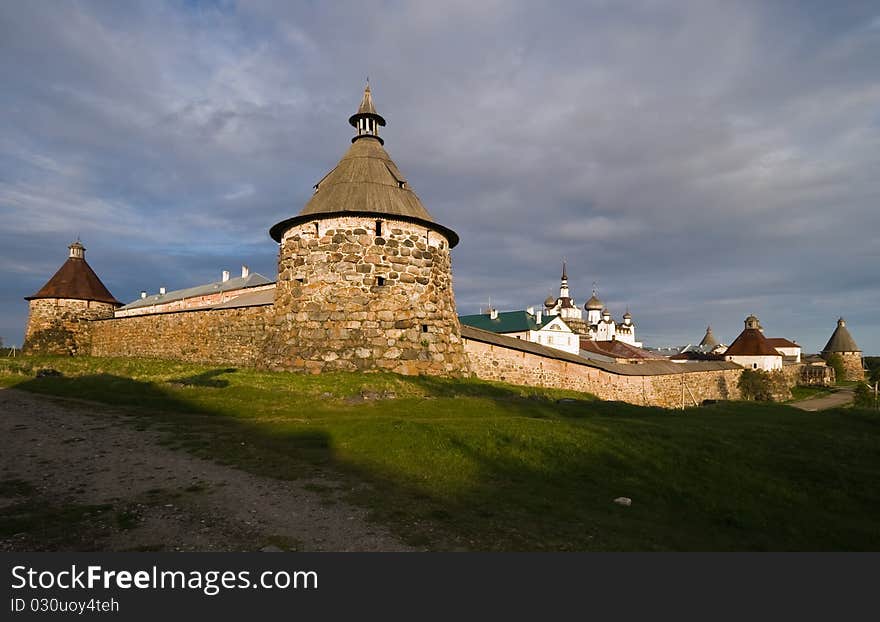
[[366, 120], [564, 271]]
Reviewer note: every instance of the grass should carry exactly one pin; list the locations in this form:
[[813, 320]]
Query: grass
[[464, 464]]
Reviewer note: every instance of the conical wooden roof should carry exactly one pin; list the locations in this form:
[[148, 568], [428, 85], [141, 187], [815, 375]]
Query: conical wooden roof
[[841, 340], [76, 280], [709, 338], [365, 182]]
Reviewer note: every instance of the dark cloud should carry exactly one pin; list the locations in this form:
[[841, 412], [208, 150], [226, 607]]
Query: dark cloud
[[699, 160]]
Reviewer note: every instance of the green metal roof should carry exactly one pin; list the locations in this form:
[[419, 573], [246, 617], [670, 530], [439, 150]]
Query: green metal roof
[[507, 321]]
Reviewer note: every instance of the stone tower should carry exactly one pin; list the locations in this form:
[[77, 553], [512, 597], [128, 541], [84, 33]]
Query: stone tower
[[843, 345], [364, 271], [59, 312]]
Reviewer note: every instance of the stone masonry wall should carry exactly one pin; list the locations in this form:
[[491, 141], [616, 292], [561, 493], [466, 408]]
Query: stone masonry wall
[[348, 298], [491, 362], [225, 336], [853, 366], [61, 325]]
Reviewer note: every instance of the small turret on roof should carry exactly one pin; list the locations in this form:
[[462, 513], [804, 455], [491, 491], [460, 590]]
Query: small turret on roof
[[366, 120], [75, 280]]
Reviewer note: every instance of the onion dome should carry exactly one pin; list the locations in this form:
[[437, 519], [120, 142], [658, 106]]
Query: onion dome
[[627, 316], [594, 304], [550, 302]]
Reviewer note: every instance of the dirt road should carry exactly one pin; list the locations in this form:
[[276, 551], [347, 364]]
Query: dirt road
[[79, 476], [841, 397]]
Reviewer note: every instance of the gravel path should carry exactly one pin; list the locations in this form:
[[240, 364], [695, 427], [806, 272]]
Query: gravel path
[[841, 397], [64, 455]]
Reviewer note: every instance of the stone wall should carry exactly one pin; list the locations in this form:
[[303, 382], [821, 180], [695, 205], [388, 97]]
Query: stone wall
[[225, 336], [493, 362], [853, 365], [61, 325], [351, 298]]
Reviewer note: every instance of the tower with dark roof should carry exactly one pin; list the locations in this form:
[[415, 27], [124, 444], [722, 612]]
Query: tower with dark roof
[[59, 312], [841, 344], [752, 349], [364, 271]]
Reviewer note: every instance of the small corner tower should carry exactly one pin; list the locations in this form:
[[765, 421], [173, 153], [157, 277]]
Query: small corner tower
[[709, 341], [364, 271], [843, 345], [60, 310]]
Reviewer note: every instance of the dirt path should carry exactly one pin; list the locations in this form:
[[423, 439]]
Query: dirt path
[[77, 476], [841, 397]]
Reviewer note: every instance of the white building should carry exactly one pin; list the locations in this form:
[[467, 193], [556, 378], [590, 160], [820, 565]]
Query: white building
[[752, 349], [599, 325], [548, 330], [790, 350]]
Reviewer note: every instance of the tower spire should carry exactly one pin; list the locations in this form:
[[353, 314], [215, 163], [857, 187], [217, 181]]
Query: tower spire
[[366, 120], [563, 287]]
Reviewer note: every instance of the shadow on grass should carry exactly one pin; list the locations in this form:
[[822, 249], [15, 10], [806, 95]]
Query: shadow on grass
[[206, 379], [503, 481]]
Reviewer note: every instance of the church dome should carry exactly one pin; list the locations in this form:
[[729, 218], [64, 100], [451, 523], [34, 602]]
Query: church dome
[[594, 304], [550, 302]]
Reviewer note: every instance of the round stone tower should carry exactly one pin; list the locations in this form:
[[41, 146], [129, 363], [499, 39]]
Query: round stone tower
[[843, 345], [61, 309], [364, 271]]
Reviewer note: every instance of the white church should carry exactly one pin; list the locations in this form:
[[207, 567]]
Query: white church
[[598, 324]]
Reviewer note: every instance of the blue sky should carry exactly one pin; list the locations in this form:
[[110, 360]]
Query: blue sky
[[700, 160]]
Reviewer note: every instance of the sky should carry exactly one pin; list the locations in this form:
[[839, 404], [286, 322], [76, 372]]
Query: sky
[[698, 161]]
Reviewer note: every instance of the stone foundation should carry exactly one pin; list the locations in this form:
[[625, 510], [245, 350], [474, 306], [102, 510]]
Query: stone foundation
[[351, 298], [61, 325]]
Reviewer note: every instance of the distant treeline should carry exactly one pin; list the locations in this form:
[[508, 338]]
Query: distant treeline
[[873, 365]]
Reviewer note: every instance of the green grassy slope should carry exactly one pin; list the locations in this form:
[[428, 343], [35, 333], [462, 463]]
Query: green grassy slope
[[468, 464]]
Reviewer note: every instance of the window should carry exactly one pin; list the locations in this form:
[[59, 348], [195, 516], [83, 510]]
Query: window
[[424, 328], [754, 366], [380, 281], [378, 227]]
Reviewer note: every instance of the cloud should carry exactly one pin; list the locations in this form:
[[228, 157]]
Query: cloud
[[699, 160]]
